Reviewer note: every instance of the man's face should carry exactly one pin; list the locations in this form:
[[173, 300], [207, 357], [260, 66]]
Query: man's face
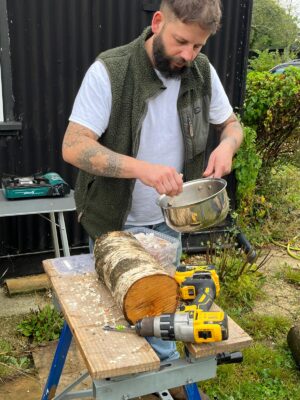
[[176, 45]]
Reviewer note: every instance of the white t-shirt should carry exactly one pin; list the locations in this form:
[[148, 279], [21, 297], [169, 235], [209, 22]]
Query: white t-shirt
[[164, 145]]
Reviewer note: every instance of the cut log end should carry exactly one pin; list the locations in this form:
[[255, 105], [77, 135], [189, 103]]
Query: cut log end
[[150, 296]]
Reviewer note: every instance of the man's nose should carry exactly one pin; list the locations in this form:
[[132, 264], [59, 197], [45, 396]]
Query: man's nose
[[188, 53]]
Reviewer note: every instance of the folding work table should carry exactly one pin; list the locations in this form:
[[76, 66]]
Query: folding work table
[[47, 205], [122, 365]]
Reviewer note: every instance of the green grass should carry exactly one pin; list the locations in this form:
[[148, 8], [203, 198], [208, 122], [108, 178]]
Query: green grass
[[267, 373], [289, 275], [265, 327]]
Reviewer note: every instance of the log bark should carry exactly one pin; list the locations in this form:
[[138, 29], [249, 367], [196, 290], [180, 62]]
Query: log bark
[[27, 284], [138, 283], [293, 339]]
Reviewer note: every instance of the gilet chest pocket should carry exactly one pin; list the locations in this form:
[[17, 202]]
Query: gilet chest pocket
[[200, 123]]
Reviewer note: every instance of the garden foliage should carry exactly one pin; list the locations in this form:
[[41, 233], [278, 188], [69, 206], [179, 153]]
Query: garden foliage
[[42, 325], [271, 125], [247, 164], [272, 108], [266, 60]]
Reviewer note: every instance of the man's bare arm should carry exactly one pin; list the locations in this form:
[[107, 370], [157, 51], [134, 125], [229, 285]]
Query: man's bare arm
[[231, 131], [220, 160], [81, 149]]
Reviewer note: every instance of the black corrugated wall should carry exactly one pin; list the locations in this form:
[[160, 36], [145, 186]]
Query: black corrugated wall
[[52, 43]]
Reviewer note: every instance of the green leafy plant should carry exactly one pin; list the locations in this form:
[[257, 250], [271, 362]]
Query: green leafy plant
[[272, 109], [240, 281], [247, 164], [276, 205], [11, 361], [266, 60], [42, 325]]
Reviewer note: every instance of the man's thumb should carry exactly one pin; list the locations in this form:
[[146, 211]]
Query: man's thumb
[[209, 170]]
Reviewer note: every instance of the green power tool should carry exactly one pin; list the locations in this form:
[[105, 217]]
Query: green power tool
[[41, 185]]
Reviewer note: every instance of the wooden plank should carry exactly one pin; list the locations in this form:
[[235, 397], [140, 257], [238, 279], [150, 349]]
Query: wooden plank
[[87, 306], [238, 340], [115, 353]]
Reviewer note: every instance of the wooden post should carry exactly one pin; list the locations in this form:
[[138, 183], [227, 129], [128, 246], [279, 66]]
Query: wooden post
[[138, 283]]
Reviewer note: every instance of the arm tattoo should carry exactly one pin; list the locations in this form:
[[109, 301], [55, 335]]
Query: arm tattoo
[[112, 164], [112, 167]]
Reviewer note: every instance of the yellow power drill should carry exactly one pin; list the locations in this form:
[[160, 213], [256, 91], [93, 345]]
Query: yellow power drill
[[193, 327], [199, 284]]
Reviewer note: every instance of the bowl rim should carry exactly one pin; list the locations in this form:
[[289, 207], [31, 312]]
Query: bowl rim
[[189, 183]]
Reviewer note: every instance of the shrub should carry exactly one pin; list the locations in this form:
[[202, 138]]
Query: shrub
[[247, 164], [267, 60], [272, 109]]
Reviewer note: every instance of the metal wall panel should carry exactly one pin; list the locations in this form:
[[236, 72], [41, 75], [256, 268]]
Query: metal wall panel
[[52, 44]]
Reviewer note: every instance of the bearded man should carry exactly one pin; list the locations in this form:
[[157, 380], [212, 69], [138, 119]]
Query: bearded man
[[140, 123]]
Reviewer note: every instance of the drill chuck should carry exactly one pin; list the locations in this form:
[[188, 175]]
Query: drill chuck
[[145, 327], [177, 326]]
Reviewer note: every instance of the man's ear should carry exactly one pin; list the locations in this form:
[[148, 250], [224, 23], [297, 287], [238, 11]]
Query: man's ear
[[157, 22]]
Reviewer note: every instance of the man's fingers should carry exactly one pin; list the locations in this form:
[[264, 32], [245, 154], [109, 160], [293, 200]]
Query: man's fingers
[[165, 180], [168, 187]]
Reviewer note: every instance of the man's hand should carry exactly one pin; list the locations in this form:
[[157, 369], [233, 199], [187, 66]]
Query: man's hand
[[220, 160], [165, 180]]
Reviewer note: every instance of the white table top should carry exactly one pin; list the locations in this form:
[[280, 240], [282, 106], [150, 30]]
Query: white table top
[[9, 208]]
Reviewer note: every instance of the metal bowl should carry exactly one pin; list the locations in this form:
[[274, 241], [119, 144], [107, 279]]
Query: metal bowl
[[203, 203]]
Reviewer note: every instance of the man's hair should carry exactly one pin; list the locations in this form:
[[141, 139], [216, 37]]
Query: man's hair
[[206, 13]]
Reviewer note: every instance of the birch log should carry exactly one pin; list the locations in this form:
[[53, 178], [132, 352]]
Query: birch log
[[138, 283]]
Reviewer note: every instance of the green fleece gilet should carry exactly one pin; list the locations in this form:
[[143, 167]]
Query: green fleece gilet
[[103, 203]]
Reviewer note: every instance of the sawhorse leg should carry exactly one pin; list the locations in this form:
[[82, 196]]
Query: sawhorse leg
[[58, 363], [192, 392]]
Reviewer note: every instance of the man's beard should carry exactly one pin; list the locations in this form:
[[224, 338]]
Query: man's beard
[[163, 62]]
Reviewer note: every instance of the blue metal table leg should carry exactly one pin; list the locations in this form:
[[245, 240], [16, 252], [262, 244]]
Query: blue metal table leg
[[58, 363], [192, 391]]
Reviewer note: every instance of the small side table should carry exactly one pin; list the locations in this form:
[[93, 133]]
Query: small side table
[[47, 205]]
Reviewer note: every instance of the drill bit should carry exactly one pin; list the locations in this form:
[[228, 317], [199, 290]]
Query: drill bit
[[119, 328]]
